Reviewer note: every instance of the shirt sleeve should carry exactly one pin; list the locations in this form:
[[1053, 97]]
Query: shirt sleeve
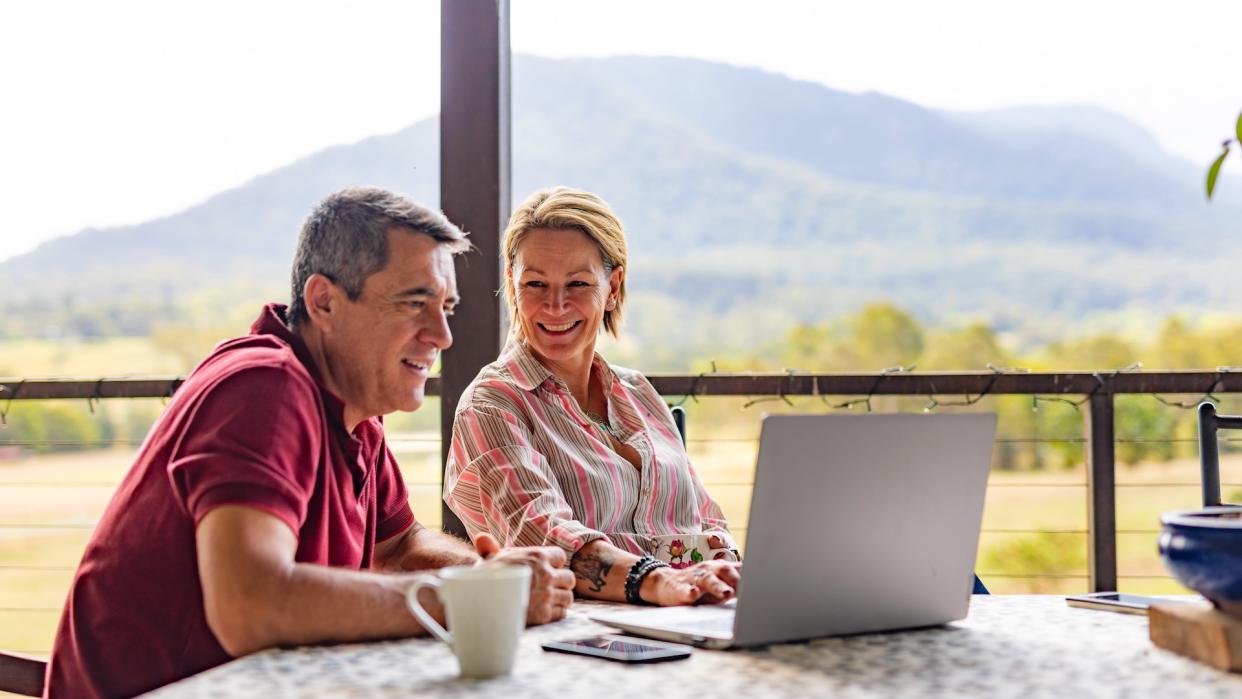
[[710, 514], [496, 482], [254, 439], [392, 497]]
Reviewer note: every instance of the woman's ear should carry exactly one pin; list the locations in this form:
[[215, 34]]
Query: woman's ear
[[614, 281]]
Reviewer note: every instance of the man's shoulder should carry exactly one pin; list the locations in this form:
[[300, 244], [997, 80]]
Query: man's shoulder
[[255, 363]]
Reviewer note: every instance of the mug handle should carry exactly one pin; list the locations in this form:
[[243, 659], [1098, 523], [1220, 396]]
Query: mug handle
[[420, 613]]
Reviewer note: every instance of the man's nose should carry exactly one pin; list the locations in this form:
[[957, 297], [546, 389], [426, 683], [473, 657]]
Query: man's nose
[[438, 333]]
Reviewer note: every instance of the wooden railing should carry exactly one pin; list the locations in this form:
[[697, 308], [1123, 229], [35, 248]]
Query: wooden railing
[[1095, 391]]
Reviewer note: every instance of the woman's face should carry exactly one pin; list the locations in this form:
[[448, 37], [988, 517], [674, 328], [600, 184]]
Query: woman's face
[[562, 292]]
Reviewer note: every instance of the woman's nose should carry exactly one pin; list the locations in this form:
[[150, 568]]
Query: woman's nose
[[557, 297]]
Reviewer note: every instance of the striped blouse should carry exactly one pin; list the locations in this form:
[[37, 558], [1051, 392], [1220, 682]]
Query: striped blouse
[[529, 466]]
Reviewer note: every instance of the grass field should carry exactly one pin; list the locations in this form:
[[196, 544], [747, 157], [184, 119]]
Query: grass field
[[49, 503], [111, 357]]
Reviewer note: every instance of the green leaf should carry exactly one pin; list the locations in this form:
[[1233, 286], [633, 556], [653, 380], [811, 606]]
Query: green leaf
[[1239, 129], [1215, 170]]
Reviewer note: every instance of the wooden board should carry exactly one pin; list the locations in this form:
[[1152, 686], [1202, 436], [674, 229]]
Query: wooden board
[[1198, 632], [21, 674]]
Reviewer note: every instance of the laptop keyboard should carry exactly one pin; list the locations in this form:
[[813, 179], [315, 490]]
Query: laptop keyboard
[[717, 626]]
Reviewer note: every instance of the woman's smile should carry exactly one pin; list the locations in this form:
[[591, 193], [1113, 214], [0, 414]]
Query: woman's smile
[[559, 329]]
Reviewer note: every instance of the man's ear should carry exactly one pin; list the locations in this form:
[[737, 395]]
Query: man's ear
[[323, 301]]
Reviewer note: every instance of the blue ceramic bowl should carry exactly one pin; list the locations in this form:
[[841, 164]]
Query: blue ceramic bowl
[[1203, 550]]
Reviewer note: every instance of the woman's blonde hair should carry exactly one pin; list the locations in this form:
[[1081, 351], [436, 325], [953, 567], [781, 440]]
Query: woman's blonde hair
[[565, 208]]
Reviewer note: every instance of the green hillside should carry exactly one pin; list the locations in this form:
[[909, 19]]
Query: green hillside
[[753, 202]]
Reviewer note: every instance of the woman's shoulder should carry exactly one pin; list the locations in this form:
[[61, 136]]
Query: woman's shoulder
[[632, 379], [494, 388]]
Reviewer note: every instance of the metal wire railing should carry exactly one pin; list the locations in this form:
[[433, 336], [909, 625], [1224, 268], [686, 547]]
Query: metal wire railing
[[1091, 393]]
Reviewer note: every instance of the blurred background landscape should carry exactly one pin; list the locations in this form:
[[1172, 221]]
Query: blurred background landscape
[[753, 203], [775, 224]]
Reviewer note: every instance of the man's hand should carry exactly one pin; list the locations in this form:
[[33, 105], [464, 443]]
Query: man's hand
[[551, 584]]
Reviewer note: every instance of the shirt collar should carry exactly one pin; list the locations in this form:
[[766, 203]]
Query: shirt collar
[[273, 321], [529, 373]]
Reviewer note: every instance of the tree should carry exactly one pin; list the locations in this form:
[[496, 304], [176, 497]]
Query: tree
[[1178, 347], [1099, 353], [805, 346], [45, 426], [972, 347], [883, 335]]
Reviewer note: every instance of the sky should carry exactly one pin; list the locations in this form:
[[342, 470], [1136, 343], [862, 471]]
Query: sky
[[124, 111]]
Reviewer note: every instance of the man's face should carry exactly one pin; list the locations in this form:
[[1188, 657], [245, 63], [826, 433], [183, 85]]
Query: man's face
[[381, 348]]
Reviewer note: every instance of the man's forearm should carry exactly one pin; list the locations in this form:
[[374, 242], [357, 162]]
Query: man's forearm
[[421, 548], [320, 604], [256, 596], [310, 604]]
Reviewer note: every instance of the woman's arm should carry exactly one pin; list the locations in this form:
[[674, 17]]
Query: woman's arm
[[496, 482], [601, 570]]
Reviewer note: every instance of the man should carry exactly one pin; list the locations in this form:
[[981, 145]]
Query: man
[[264, 508]]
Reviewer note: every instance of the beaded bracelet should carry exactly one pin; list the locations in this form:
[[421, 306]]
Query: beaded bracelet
[[638, 572]]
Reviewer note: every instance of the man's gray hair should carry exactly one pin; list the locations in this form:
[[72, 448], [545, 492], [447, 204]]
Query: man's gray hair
[[345, 239]]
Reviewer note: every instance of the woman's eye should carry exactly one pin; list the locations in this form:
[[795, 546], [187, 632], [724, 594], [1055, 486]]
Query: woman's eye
[[534, 285], [579, 283]]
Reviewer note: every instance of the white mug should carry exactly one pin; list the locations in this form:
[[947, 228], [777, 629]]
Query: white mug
[[485, 606]]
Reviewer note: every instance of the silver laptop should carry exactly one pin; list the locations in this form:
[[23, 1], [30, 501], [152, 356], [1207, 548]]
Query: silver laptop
[[857, 523]]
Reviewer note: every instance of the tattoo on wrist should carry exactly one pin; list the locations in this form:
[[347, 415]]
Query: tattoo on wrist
[[592, 568]]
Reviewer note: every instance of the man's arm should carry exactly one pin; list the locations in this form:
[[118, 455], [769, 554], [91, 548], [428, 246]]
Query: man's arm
[[420, 548], [256, 596]]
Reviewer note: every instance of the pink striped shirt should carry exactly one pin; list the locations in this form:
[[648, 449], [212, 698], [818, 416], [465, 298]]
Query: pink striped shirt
[[529, 466]]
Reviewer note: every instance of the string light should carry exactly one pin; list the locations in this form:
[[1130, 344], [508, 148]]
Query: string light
[[1103, 381]]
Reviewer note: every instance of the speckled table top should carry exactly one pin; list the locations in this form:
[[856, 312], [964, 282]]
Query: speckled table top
[[1009, 646]]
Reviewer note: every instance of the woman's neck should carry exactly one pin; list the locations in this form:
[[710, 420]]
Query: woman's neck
[[576, 373]]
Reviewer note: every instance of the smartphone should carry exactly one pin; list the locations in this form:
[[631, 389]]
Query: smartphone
[[622, 649], [1118, 602]]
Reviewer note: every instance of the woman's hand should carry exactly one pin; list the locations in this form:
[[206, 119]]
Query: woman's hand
[[709, 582]]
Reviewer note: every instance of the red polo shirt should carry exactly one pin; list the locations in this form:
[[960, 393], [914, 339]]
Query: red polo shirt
[[252, 425]]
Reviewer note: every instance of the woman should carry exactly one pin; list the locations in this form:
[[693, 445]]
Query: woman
[[551, 445]]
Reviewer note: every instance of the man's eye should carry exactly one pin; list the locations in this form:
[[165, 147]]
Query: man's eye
[[416, 305]]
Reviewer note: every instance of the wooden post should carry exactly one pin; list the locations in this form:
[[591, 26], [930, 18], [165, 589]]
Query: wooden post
[[1101, 492], [474, 187]]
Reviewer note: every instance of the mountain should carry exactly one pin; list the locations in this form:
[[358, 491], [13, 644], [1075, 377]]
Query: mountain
[[1081, 121], [751, 201]]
